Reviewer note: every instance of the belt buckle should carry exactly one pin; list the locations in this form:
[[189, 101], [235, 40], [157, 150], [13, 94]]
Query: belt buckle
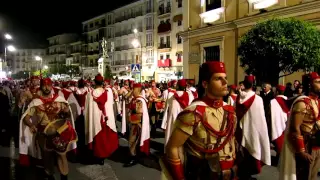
[[210, 146]]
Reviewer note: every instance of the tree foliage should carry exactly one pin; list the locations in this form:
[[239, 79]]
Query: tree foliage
[[108, 72], [279, 45], [44, 73]]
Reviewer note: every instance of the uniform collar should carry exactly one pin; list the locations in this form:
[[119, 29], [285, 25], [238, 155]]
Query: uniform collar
[[215, 103]]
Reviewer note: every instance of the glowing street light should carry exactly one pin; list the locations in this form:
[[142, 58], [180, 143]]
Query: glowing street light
[[10, 72], [38, 58], [135, 43], [45, 67], [8, 36], [135, 31], [11, 48]]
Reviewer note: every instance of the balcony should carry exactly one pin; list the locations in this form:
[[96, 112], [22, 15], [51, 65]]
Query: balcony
[[149, 27], [164, 63], [74, 51], [164, 27], [149, 10], [61, 52], [95, 52], [118, 48], [164, 45], [125, 47], [150, 60], [164, 10], [120, 62], [118, 34]]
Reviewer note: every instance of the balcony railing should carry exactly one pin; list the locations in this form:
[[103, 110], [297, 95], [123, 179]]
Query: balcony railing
[[149, 61], [128, 16], [118, 34], [75, 51], [149, 10], [93, 52], [125, 47], [120, 62], [118, 48], [164, 10], [149, 27], [164, 45]]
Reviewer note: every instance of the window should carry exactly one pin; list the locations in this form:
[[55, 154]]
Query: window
[[179, 3], [168, 41], [118, 57], [149, 39], [149, 23], [161, 57], [179, 22], [91, 25], [96, 23], [97, 37], [179, 39], [161, 40], [212, 53], [161, 22], [179, 59], [212, 4], [168, 56]]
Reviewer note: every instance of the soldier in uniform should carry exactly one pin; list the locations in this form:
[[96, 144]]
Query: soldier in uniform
[[156, 105], [29, 93], [48, 118], [300, 156], [139, 122], [204, 131]]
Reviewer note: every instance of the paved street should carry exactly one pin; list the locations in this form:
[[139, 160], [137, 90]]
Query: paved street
[[148, 169]]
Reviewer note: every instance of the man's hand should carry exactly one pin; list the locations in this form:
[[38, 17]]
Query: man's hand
[[33, 129], [306, 157]]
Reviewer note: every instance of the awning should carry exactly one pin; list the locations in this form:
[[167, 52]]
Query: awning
[[178, 52], [177, 18]]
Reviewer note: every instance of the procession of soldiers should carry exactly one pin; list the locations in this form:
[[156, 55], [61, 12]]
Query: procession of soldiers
[[213, 130]]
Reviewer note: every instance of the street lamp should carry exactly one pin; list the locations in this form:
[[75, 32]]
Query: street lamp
[[135, 43], [8, 36], [38, 58], [135, 31], [45, 67]]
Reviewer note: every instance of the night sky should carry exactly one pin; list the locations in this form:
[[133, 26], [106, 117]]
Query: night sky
[[34, 21]]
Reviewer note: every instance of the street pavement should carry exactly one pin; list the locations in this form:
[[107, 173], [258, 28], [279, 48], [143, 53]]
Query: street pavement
[[147, 169]]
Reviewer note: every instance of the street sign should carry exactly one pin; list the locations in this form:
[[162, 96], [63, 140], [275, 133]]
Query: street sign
[[135, 68]]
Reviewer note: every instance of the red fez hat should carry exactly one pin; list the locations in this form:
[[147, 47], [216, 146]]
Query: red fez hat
[[153, 81], [170, 83], [137, 85], [215, 67], [46, 81], [72, 83], [250, 78], [98, 77], [126, 81], [65, 83], [107, 81], [116, 84], [234, 87], [173, 81], [191, 81], [313, 76], [182, 82], [281, 87]]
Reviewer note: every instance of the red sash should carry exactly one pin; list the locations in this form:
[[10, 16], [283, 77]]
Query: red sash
[[234, 97], [282, 104], [56, 90], [101, 101], [66, 93], [242, 109], [182, 100], [195, 94]]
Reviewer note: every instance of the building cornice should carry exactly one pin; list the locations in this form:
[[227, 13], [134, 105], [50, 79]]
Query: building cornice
[[285, 12], [216, 28], [291, 11], [94, 18]]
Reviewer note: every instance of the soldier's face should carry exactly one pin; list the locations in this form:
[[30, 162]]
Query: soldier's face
[[136, 92], [153, 84], [316, 85], [46, 89], [217, 86]]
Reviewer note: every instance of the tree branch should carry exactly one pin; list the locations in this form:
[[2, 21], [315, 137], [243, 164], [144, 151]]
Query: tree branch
[[286, 74]]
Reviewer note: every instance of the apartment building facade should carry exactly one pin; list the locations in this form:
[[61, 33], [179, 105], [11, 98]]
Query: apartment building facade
[[24, 60], [212, 29], [169, 43], [57, 52]]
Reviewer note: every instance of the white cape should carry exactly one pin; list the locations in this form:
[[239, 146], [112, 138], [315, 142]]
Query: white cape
[[93, 115], [145, 129], [27, 143], [287, 161], [170, 114], [255, 136], [278, 119]]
